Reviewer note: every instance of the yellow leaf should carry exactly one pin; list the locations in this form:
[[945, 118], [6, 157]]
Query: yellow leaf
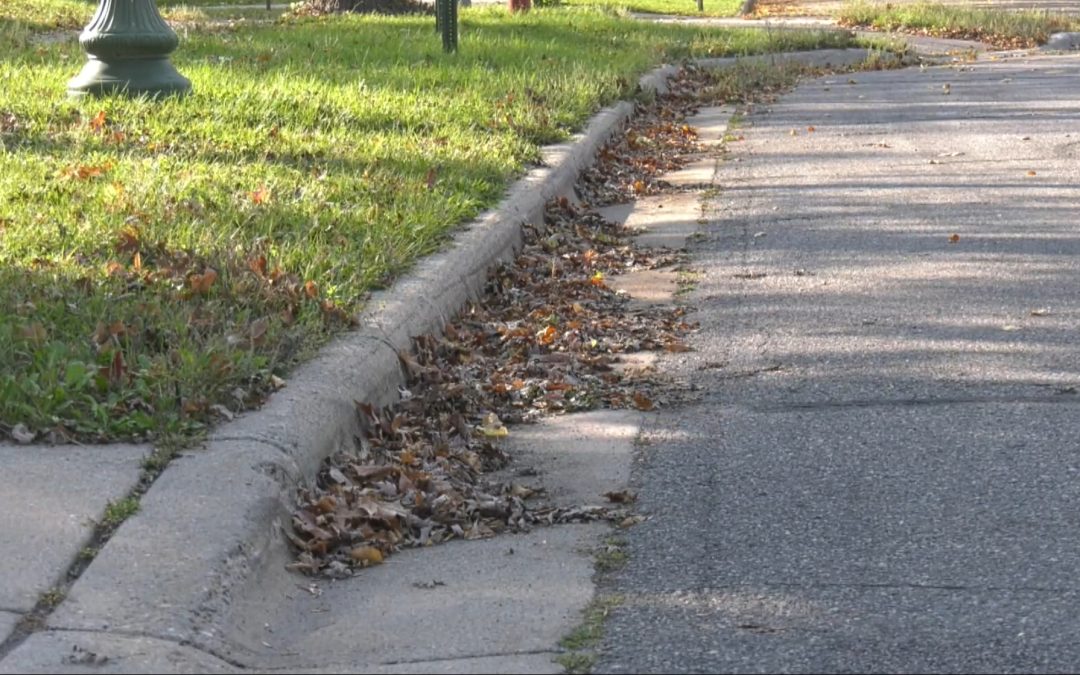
[[366, 555], [493, 427]]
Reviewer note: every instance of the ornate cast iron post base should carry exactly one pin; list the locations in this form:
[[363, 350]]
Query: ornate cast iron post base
[[128, 45]]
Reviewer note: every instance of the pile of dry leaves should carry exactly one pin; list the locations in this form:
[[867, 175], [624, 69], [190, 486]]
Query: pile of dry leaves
[[547, 337]]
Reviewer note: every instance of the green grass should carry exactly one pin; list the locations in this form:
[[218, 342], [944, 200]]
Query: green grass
[[64, 14], [119, 511], [161, 264], [43, 14], [1000, 28], [580, 644], [677, 7]]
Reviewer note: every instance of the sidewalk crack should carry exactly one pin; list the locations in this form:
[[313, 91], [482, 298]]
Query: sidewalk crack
[[160, 638]]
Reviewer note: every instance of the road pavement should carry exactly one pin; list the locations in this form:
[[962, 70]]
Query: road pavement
[[882, 474]]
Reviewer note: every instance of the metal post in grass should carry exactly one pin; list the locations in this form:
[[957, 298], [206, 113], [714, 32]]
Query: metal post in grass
[[446, 20], [128, 45]]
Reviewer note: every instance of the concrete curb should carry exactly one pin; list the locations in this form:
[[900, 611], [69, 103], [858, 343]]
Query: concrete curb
[[214, 516]]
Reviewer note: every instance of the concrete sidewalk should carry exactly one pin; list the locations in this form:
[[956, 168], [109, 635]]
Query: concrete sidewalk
[[883, 475]]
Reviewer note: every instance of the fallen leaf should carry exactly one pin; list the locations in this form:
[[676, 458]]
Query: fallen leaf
[[326, 504], [22, 435], [1031, 173], [201, 283], [621, 496], [493, 427], [643, 402], [954, 238], [260, 195], [257, 330], [98, 121], [114, 372], [34, 332], [366, 555]]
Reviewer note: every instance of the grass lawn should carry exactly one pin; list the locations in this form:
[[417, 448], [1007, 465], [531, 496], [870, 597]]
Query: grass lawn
[[681, 7], [161, 264], [1012, 29]]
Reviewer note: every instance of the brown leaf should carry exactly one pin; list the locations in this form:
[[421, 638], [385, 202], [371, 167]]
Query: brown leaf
[[643, 402], [34, 332], [257, 264], [128, 240], [621, 496], [373, 473], [201, 283], [257, 330], [98, 121], [954, 238], [326, 504], [114, 372], [261, 195]]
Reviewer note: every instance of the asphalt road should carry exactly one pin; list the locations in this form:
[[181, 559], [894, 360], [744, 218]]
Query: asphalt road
[[883, 473]]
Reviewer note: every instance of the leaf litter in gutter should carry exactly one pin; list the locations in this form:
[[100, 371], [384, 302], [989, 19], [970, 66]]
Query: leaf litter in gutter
[[544, 339]]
